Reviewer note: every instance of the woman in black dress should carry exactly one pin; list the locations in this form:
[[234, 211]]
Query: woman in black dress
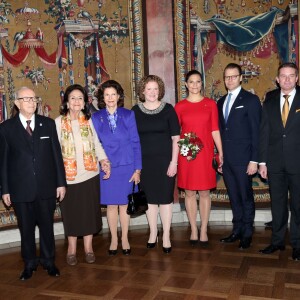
[[159, 131]]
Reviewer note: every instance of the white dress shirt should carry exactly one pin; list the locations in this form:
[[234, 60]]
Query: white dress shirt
[[23, 121]]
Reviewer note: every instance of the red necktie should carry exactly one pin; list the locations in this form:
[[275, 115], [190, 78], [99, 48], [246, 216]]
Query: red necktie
[[28, 128]]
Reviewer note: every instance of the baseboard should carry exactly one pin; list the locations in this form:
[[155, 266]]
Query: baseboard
[[11, 238]]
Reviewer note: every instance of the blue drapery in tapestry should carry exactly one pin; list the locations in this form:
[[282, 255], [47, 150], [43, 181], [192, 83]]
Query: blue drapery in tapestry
[[244, 34]]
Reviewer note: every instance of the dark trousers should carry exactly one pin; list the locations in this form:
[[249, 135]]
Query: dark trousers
[[280, 185], [31, 214], [240, 192]]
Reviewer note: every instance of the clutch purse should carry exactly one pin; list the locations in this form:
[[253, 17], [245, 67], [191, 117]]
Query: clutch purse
[[137, 202], [216, 161]]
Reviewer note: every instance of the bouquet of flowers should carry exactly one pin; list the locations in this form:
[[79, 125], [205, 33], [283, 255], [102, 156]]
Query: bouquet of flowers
[[190, 145]]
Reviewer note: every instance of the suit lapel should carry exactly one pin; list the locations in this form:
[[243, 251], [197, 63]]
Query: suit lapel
[[21, 131], [37, 133], [294, 108], [237, 102]]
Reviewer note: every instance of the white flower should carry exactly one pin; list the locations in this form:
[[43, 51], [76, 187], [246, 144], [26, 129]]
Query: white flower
[[184, 150]]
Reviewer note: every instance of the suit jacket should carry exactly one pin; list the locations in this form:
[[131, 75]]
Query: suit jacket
[[240, 135], [30, 167], [280, 146], [123, 147]]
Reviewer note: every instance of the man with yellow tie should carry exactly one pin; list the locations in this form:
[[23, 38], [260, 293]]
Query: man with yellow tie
[[279, 149]]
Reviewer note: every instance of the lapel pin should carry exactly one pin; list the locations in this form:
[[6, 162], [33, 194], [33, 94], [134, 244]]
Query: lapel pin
[[41, 124]]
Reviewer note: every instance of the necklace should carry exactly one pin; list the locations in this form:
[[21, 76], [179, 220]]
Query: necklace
[[152, 111]]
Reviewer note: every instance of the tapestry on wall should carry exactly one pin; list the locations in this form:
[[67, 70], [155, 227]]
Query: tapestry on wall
[[256, 35], [49, 45]]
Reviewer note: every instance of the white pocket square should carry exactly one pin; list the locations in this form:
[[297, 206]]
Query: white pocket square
[[44, 137], [239, 106]]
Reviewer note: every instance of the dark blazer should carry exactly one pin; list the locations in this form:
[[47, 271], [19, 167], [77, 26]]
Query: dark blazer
[[240, 135], [123, 147], [280, 146], [30, 167]]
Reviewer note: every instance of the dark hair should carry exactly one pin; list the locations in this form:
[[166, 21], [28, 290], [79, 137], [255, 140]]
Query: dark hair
[[147, 79], [110, 84], [192, 72], [233, 66], [64, 107], [288, 65]]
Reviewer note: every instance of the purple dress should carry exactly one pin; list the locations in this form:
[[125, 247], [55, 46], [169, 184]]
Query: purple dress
[[123, 149]]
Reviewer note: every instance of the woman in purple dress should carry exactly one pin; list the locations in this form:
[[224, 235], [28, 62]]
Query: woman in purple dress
[[117, 131]]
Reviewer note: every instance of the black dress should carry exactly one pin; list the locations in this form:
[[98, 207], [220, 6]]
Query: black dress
[[156, 128]]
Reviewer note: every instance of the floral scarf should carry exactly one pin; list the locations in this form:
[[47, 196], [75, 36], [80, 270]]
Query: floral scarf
[[112, 120], [68, 146]]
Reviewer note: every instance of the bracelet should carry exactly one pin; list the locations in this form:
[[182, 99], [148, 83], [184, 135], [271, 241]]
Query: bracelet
[[138, 172]]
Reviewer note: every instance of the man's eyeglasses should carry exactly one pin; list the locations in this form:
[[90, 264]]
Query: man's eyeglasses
[[28, 99], [232, 77]]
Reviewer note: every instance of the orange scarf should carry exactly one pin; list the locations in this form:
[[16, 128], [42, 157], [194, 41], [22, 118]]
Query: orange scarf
[[68, 146]]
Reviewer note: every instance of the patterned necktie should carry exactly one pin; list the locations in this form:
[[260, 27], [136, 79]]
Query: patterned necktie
[[285, 110], [226, 114], [28, 128]]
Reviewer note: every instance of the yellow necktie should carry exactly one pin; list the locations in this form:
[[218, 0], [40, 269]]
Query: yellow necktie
[[285, 109]]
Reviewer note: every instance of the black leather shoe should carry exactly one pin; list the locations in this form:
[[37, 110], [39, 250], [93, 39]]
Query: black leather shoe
[[52, 270], [27, 273], [193, 242], [203, 244], [245, 243], [230, 239], [151, 245], [271, 248], [112, 252], [167, 250], [126, 251], [269, 224], [296, 254]]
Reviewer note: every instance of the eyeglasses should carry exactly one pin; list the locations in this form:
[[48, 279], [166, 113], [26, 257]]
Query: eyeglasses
[[28, 99], [232, 77], [76, 98]]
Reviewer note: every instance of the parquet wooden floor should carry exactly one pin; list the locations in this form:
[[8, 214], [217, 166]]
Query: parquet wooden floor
[[219, 271]]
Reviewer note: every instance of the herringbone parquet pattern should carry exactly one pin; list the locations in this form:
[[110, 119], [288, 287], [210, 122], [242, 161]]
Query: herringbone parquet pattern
[[219, 271]]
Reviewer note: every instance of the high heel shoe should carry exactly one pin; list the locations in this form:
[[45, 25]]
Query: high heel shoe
[[126, 251], [193, 242], [203, 243], [167, 250], [152, 245], [112, 252]]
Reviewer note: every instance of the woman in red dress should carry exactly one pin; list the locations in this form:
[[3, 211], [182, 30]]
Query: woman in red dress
[[199, 115]]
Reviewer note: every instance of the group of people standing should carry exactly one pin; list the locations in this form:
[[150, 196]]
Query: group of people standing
[[121, 148], [264, 139]]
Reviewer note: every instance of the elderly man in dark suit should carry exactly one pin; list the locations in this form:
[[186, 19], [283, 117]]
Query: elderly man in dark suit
[[239, 119], [279, 149], [32, 178]]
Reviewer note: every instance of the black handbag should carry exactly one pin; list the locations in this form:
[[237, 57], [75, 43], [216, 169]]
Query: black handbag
[[215, 162], [137, 202]]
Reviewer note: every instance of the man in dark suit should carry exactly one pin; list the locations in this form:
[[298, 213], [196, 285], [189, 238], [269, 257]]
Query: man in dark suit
[[32, 178], [239, 118], [279, 149]]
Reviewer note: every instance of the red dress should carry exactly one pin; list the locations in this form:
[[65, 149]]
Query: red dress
[[202, 119]]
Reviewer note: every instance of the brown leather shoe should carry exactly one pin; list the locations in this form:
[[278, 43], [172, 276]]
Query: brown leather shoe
[[71, 259], [90, 257]]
